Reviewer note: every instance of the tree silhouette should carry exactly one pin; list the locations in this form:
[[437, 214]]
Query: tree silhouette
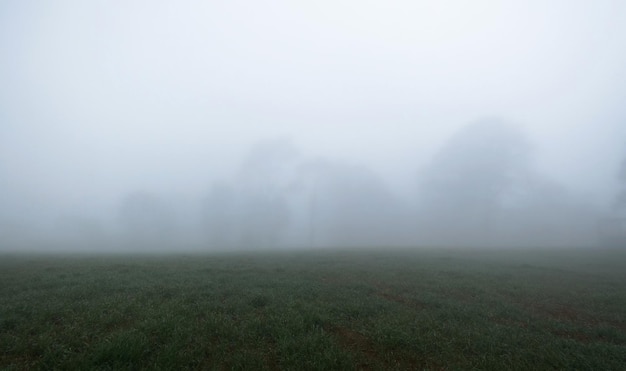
[[470, 176], [145, 218], [253, 212], [620, 199]]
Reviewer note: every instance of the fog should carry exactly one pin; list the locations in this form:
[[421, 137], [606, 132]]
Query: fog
[[190, 125]]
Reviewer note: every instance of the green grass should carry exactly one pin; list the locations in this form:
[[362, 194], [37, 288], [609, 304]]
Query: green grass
[[381, 309]]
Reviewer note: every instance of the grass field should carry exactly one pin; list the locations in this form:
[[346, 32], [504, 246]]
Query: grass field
[[438, 309]]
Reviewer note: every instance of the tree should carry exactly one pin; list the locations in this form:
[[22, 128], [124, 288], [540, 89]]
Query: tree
[[620, 199], [612, 229], [146, 219], [263, 180], [470, 177], [348, 205], [544, 212], [254, 210], [220, 216]]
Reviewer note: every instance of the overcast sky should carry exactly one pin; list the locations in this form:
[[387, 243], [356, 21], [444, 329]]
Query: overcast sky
[[98, 98]]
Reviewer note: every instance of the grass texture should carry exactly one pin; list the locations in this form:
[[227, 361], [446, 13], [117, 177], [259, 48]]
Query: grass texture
[[373, 309]]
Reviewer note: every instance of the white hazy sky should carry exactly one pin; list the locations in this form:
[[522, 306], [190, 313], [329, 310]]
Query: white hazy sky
[[101, 97]]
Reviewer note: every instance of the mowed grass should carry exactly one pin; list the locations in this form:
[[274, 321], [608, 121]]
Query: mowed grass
[[437, 309]]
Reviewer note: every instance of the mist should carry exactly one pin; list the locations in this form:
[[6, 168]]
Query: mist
[[151, 126]]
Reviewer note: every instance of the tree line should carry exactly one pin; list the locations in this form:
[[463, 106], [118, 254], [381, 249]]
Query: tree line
[[480, 189]]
